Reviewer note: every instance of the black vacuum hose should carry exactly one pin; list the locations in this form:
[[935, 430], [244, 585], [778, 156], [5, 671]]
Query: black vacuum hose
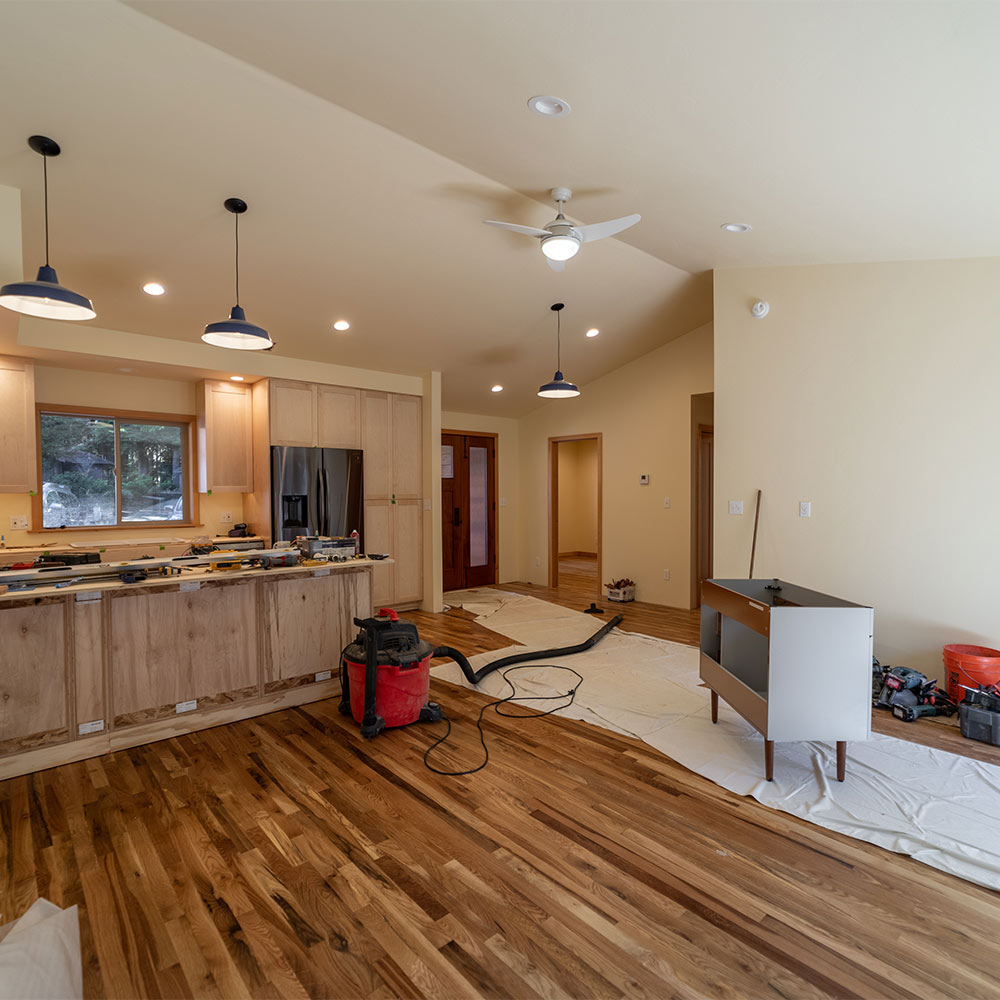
[[475, 676]]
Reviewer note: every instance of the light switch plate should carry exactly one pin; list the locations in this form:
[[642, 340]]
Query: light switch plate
[[805, 508], [666, 501], [735, 506]]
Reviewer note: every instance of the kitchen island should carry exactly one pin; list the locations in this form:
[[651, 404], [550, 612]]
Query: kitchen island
[[102, 666]]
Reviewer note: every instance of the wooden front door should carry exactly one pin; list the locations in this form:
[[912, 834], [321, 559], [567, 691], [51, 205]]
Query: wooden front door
[[468, 510]]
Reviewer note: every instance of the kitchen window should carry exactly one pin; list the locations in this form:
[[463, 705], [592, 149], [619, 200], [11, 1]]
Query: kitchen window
[[112, 469]]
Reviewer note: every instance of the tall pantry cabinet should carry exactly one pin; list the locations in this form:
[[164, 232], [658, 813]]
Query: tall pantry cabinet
[[391, 436]]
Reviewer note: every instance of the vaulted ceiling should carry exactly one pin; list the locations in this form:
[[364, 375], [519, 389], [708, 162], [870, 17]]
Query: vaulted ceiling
[[371, 140]]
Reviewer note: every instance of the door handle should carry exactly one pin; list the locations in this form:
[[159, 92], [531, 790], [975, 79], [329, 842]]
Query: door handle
[[457, 517]]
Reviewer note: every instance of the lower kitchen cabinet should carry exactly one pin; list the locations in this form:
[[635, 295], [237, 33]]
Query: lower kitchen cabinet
[[396, 528], [86, 671]]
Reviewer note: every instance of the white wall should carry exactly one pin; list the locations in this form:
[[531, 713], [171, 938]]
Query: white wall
[[643, 411], [871, 391]]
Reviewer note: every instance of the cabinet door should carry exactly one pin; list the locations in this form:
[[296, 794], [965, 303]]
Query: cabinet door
[[378, 538], [33, 681], [407, 551], [377, 445], [293, 414], [407, 437], [338, 417], [18, 468], [225, 460]]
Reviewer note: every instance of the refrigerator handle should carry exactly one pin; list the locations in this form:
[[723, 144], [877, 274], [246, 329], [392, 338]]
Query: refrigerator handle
[[326, 502], [320, 513]]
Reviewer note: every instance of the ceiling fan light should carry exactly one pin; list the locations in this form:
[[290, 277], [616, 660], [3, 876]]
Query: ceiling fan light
[[237, 333], [560, 247], [558, 388], [46, 298]]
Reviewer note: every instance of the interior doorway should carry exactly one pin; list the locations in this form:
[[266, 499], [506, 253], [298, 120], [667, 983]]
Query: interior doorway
[[702, 478], [468, 509], [575, 492]]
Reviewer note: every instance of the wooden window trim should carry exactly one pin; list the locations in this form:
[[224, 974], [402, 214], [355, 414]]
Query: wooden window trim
[[190, 460]]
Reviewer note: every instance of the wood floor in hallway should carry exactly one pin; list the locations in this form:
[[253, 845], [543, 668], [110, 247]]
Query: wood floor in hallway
[[285, 856]]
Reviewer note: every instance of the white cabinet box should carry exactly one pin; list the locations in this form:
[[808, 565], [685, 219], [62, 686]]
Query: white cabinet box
[[796, 664]]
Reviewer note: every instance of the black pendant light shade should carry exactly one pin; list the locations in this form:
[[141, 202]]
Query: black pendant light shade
[[237, 333], [44, 296], [558, 388]]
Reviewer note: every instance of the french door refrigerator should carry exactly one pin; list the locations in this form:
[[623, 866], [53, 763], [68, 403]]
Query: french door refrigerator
[[316, 491]]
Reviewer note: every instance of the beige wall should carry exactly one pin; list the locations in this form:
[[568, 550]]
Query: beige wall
[[871, 391], [508, 458], [643, 411], [578, 495]]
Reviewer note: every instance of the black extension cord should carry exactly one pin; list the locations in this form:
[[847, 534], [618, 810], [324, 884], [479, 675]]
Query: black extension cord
[[495, 705]]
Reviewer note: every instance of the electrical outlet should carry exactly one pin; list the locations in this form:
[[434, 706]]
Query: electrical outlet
[[322, 675], [503, 501], [666, 501], [735, 506], [226, 517], [538, 560], [19, 523], [666, 574], [805, 508]]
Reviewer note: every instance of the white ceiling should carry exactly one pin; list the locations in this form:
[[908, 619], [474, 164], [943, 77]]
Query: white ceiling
[[371, 138]]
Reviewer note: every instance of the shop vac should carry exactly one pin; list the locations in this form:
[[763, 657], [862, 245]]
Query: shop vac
[[385, 673]]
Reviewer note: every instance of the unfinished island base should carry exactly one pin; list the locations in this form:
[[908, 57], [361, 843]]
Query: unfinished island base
[[768, 647]]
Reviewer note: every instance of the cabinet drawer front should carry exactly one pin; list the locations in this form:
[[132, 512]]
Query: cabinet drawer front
[[742, 609]]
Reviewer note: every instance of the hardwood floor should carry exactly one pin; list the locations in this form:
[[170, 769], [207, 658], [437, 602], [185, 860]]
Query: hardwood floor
[[285, 856]]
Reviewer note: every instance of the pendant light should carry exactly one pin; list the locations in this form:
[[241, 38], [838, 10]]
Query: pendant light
[[44, 296], [558, 388], [236, 333]]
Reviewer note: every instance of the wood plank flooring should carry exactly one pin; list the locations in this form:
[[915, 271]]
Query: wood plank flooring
[[285, 856]]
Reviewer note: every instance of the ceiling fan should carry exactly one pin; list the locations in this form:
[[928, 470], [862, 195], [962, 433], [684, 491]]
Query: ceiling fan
[[561, 239]]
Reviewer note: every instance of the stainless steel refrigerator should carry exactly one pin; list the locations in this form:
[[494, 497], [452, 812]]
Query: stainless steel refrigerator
[[316, 491]]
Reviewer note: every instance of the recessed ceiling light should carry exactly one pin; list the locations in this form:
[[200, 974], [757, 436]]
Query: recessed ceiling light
[[736, 227], [593, 332], [497, 388], [235, 378], [341, 324], [153, 288], [549, 107]]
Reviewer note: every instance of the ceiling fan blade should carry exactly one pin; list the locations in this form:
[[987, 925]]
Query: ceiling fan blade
[[527, 230], [556, 265], [599, 230]]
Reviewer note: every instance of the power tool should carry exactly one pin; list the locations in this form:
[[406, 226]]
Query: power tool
[[910, 695]]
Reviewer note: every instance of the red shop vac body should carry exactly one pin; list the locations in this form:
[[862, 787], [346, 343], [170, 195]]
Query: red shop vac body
[[385, 675]]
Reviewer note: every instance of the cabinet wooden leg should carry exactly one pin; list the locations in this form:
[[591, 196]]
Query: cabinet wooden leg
[[715, 707], [769, 759], [841, 759]]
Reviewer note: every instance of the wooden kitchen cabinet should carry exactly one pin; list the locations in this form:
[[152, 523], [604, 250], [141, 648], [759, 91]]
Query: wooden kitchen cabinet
[[376, 441], [396, 528], [338, 417], [293, 413], [407, 447], [18, 448], [225, 446]]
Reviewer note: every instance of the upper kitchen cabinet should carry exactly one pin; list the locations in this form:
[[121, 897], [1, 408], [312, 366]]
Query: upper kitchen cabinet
[[407, 438], [293, 414], [338, 417], [376, 441], [225, 448], [18, 450]]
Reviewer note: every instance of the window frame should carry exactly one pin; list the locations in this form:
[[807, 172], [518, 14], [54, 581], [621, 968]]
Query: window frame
[[189, 463]]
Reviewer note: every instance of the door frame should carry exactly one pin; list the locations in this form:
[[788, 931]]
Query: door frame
[[494, 520], [703, 513], [554, 503]]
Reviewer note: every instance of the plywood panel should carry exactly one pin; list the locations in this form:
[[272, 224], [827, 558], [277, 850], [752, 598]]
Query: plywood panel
[[378, 538], [18, 468], [88, 646], [408, 535], [377, 444], [169, 647], [338, 417], [407, 435], [225, 437], [293, 413], [311, 619], [33, 704]]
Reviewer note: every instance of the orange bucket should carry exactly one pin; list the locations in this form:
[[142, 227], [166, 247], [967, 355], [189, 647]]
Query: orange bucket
[[971, 666]]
